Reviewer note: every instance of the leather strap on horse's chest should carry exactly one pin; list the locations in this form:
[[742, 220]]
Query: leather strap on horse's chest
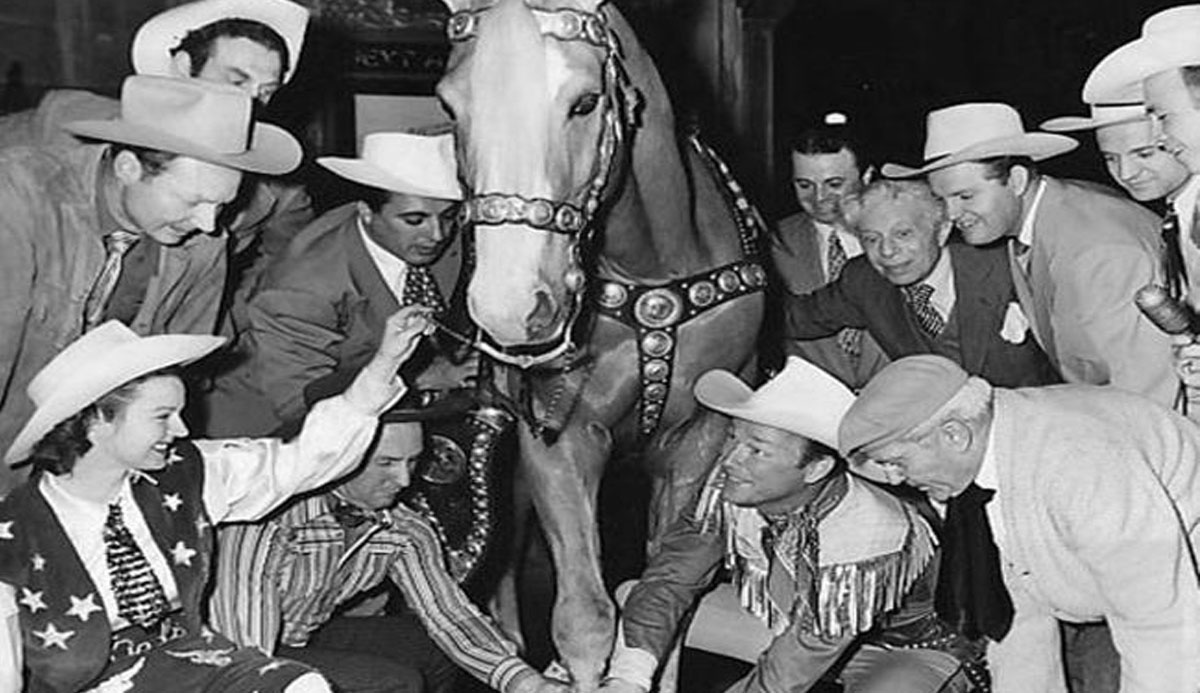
[[655, 313], [749, 222]]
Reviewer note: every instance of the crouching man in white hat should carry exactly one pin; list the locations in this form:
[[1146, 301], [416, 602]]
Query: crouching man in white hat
[[321, 306], [1069, 503], [834, 568]]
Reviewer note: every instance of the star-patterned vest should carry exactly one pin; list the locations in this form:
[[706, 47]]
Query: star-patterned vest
[[64, 629]]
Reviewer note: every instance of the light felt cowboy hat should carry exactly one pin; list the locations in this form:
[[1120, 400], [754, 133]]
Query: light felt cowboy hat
[[94, 365], [422, 165], [154, 41], [974, 131], [1169, 39], [1103, 115], [195, 118], [802, 399]]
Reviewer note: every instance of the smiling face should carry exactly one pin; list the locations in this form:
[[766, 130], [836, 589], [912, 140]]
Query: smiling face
[[388, 469], [1135, 161], [983, 209], [1170, 103], [764, 468], [175, 202], [139, 436], [902, 237], [822, 181], [414, 229]]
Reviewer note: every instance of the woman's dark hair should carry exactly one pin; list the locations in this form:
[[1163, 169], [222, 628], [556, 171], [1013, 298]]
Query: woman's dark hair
[[58, 450]]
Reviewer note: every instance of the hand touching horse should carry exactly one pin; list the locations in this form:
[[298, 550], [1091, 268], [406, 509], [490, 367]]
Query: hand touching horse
[[614, 263]]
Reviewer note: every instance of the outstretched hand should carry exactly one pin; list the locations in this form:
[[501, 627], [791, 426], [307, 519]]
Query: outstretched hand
[[402, 333]]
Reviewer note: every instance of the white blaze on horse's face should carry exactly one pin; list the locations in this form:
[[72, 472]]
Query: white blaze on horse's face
[[528, 110]]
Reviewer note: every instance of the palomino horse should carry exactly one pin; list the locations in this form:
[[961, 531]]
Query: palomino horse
[[614, 264]]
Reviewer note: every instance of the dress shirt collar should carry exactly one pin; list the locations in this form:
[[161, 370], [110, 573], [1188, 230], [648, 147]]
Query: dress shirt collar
[[849, 241], [1026, 234], [1184, 204], [393, 270]]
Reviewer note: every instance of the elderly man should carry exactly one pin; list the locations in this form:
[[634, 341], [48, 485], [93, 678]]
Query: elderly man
[[1078, 253], [916, 295], [280, 582], [840, 572], [158, 179], [1094, 511], [253, 45], [321, 306], [810, 248]]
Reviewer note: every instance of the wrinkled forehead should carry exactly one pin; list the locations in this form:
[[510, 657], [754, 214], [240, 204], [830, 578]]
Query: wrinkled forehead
[[1120, 138], [883, 214]]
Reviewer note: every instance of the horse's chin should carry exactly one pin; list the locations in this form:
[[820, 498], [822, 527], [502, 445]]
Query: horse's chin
[[526, 354]]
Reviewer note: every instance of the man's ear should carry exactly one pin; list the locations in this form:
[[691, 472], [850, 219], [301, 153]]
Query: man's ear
[[868, 175], [364, 211], [1018, 180], [815, 471], [181, 64], [127, 167], [956, 434]]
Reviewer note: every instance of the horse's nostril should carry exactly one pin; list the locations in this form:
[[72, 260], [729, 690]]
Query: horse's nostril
[[542, 315]]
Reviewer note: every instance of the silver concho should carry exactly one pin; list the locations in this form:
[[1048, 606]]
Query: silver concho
[[613, 295], [728, 281], [657, 343], [658, 308], [752, 275], [446, 462], [655, 370], [702, 293]]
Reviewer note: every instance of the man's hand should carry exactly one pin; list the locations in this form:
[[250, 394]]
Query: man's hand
[[377, 385]]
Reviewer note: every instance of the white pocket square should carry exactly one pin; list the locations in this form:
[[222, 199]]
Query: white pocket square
[[1016, 325]]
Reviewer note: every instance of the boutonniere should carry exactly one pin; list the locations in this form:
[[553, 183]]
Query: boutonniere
[[1016, 325]]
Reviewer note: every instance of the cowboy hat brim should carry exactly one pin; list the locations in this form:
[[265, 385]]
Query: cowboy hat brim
[[138, 358], [159, 35], [724, 392], [1081, 123], [1118, 76], [366, 173], [1035, 145], [273, 150]]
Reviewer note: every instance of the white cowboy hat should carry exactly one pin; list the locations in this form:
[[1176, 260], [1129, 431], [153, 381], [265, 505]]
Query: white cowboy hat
[[1169, 39], [422, 165], [801, 399], [974, 131], [159, 35], [94, 365], [1103, 115], [198, 119]]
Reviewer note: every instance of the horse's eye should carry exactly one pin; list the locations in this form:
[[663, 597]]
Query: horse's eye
[[585, 104]]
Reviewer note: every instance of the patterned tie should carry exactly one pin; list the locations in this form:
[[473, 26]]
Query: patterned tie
[[420, 288], [140, 597], [116, 244], [850, 340], [1174, 271], [918, 297]]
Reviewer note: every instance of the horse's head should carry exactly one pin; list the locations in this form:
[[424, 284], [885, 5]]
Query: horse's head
[[540, 104]]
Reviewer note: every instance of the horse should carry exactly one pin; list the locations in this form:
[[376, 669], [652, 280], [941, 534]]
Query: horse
[[614, 262]]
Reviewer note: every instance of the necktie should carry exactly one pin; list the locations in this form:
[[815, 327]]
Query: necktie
[[140, 597], [116, 244], [420, 288], [1174, 271], [918, 297], [349, 515], [970, 592], [850, 340]]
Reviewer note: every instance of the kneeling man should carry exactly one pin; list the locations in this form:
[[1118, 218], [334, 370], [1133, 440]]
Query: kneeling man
[[1074, 503], [839, 570]]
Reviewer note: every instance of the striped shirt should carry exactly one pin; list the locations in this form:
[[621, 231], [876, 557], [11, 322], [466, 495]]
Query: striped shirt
[[279, 581]]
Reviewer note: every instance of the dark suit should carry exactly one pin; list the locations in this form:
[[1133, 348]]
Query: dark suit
[[320, 309], [796, 260], [983, 286]]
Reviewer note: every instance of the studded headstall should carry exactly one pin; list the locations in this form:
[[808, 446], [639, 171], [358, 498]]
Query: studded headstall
[[568, 218]]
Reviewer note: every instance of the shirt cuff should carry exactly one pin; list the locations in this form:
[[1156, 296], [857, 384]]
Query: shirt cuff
[[631, 664], [513, 675]]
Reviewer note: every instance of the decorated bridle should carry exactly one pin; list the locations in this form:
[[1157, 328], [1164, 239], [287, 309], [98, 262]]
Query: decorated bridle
[[572, 218]]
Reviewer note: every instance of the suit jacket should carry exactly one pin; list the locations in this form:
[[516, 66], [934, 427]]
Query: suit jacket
[[1100, 499], [1092, 250], [984, 291], [796, 257], [320, 308]]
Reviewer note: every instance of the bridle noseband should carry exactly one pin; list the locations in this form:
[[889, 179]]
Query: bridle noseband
[[572, 218]]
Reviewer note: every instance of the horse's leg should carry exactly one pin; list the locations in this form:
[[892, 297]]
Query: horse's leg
[[679, 462], [564, 480], [505, 603]]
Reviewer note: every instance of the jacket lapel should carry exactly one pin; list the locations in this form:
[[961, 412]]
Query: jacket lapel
[[980, 298], [365, 276]]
